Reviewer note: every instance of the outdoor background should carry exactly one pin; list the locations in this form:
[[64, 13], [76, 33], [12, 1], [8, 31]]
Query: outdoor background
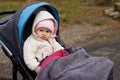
[[82, 24]]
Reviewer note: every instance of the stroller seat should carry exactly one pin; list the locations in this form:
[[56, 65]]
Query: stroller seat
[[15, 28]]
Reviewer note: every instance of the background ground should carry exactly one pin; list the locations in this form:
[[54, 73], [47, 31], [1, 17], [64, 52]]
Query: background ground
[[82, 23]]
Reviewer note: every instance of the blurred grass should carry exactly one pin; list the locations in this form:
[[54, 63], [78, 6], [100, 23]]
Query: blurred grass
[[70, 11], [5, 5], [10, 5], [73, 11]]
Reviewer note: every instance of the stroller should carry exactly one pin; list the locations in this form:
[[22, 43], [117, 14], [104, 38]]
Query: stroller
[[14, 30]]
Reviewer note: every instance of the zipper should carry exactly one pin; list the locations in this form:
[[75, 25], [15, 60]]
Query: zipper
[[51, 46]]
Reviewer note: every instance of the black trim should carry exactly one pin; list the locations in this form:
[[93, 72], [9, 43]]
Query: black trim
[[7, 12]]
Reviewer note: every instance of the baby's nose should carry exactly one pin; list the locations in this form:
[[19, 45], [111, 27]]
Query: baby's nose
[[44, 33]]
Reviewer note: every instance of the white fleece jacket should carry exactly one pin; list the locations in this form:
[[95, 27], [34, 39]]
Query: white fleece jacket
[[38, 48]]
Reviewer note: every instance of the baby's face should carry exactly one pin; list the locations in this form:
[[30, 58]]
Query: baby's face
[[43, 33]]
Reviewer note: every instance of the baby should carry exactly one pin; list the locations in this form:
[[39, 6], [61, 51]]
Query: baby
[[41, 43]]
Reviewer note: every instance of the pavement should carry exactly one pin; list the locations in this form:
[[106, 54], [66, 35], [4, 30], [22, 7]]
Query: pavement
[[110, 49]]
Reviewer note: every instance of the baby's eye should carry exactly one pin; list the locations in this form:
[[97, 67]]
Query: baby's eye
[[47, 31], [41, 30]]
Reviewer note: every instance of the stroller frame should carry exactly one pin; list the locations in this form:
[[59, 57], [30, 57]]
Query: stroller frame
[[18, 25], [12, 44]]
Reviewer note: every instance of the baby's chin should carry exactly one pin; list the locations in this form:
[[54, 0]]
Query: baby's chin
[[44, 38]]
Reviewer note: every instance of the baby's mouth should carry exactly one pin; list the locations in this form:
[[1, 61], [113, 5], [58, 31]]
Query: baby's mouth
[[43, 37]]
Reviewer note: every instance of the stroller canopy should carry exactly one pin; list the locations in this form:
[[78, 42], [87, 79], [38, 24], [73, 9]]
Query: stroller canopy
[[15, 28], [32, 10]]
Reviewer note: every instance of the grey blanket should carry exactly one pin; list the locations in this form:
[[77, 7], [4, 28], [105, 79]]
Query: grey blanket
[[76, 66]]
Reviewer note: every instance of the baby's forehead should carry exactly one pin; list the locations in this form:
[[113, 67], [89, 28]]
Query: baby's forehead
[[43, 28]]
